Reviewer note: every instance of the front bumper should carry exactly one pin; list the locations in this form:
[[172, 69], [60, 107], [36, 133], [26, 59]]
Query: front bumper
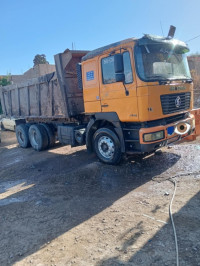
[[170, 136]]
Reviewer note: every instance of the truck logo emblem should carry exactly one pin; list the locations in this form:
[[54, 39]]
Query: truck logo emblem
[[177, 88], [178, 101]]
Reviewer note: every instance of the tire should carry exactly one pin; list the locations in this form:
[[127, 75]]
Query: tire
[[2, 127], [22, 135], [38, 137], [29, 124], [50, 133], [107, 146]]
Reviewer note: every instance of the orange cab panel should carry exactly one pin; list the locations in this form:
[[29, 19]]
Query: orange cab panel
[[91, 86]]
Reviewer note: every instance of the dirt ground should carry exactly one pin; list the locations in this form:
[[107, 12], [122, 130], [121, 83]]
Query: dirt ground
[[64, 207]]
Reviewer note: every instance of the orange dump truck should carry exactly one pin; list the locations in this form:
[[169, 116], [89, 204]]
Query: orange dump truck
[[132, 96]]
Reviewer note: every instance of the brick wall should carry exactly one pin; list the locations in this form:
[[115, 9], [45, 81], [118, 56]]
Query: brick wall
[[194, 64]]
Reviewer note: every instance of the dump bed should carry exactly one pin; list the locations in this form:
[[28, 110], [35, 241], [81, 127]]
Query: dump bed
[[52, 96]]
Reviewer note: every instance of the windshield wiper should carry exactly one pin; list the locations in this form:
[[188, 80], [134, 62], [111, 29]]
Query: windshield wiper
[[188, 79], [159, 78], [156, 76], [185, 78]]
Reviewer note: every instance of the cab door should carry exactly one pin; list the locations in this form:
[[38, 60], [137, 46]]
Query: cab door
[[113, 95], [90, 77]]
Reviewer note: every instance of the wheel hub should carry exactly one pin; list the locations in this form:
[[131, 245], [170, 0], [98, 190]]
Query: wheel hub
[[106, 147]]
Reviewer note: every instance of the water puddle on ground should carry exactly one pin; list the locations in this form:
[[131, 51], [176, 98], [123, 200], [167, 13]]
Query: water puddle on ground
[[9, 192], [14, 161], [8, 201], [4, 186]]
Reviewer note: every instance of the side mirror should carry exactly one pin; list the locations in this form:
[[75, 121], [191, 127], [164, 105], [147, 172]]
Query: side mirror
[[119, 68], [119, 63], [119, 77]]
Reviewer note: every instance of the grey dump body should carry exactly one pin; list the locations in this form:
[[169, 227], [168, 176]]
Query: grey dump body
[[50, 97]]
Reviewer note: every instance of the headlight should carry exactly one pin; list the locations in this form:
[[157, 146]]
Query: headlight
[[153, 136]]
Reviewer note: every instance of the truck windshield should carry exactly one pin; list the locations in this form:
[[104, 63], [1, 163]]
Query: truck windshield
[[161, 62]]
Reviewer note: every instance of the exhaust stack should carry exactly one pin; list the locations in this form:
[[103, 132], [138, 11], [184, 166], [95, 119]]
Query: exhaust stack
[[171, 32]]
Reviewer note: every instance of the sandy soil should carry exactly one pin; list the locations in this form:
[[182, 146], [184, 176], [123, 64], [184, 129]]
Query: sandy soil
[[63, 207]]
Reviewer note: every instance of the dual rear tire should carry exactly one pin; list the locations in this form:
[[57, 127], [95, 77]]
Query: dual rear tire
[[22, 135], [39, 136], [106, 143]]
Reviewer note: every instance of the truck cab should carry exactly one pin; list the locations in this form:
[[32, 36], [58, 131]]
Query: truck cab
[[141, 89]]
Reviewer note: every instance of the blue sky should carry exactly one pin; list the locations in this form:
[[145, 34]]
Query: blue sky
[[49, 27]]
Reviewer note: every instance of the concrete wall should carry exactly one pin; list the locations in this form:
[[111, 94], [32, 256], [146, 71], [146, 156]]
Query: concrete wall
[[34, 72], [39, 70]]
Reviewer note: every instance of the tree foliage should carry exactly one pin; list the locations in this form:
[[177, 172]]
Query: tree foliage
[[40, 59], [4, 81]]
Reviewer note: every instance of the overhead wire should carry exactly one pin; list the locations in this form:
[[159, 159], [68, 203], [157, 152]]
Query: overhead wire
[[193, 38]]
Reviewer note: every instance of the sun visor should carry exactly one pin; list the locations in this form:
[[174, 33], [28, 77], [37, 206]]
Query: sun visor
[[177, 45]]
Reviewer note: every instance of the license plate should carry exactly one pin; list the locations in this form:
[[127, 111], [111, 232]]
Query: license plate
[[170, 130]]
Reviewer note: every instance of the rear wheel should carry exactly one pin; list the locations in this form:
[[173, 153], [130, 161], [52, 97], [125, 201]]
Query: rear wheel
[[2, 126], [107, 146], [22, 135], [38, 137], [50, 133]]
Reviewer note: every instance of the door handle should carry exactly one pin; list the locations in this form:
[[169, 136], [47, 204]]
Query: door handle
[[104, 105]]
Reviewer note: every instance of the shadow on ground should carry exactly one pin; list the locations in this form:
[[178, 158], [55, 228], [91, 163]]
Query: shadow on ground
[[157, 250], [62, 192]]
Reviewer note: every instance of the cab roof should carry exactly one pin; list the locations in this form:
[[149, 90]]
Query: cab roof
[[101, 50], [145, 40]]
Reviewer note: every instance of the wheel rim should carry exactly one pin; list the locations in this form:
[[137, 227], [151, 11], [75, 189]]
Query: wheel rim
[[106, 147]]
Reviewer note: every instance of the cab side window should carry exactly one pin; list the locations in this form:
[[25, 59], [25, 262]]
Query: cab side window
[[108, 70]]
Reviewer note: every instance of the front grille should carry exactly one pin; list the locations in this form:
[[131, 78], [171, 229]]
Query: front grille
[[175, 118], [173, 103]]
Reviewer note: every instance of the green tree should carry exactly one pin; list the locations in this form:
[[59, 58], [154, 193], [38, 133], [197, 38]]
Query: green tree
[[40, 59], [4, 81]]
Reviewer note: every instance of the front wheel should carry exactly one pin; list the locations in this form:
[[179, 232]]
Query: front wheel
[[107, 146]]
